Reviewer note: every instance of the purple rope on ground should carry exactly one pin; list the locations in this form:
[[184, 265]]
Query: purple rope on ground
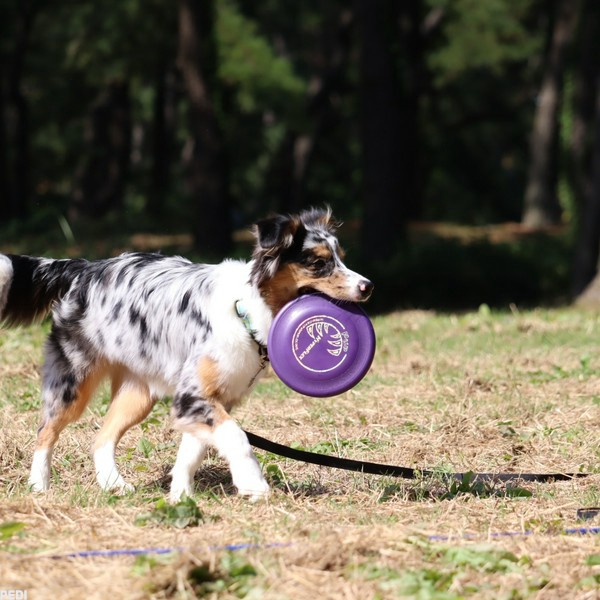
[[234, 547], [501, 534], [140, 551]]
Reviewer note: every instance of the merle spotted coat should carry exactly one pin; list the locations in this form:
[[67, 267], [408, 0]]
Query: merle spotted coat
[[158, 326]]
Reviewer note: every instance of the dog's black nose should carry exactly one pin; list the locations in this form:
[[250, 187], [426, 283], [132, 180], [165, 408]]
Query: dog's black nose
[[365, 287]]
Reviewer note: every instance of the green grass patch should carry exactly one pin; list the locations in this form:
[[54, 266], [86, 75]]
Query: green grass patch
[[184, 513]]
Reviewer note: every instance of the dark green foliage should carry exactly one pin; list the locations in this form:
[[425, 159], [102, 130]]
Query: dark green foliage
[[233, 576], [482, 36], [9, 529], [434, 272], [289, 98], [269, 56], [183, 514]]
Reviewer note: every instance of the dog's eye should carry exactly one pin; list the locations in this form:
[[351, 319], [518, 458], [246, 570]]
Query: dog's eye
[[319, 263]]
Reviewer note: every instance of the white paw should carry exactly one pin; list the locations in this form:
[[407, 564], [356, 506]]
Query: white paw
[[38, 485], [232, 443], [39, 477], [253, 486], [260, 496], [178, 490], [121, 488], [107, 472], [113, 482]]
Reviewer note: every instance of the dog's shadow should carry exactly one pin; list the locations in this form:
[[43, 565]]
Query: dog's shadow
[[215, 480], [210, 479]]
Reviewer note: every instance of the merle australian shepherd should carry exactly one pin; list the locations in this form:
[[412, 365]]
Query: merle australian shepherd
[[158, 326]]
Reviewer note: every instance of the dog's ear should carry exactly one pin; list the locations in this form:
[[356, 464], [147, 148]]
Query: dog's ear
[[277, 231], [274, 236]]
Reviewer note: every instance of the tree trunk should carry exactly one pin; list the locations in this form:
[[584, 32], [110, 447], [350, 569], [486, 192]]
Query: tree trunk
[[18, 109], [541, 206], [5, 190], [586, 265], [207, 166], [162, 140], [584, 100], [389, 123], [103, 177], [297, 150], [412, 29], [586, 155]]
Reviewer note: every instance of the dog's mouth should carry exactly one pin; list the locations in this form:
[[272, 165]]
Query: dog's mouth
[[306, 290], [359, 296]]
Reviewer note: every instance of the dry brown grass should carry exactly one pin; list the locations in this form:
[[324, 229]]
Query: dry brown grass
[[513, 392]]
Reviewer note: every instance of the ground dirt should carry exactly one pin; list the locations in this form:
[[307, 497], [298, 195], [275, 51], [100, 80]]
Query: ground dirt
[[495, 392]]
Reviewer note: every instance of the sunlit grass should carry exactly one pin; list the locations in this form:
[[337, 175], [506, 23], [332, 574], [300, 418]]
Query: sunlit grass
[[482, 391]]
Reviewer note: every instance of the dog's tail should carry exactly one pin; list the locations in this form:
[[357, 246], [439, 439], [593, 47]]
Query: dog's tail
[[29, 286]]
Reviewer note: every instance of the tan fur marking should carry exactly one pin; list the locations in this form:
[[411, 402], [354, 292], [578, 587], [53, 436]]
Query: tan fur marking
[[117, 374], [129, 406], [322, 252], [334, 286], [209, 375], [284, 286], [48, 435], [220, 415]]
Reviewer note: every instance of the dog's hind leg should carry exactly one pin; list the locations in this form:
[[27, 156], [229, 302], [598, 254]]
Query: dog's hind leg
[[131, 403], [65, 397], [189, 457]]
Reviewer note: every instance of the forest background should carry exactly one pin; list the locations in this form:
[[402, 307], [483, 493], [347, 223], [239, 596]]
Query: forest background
[[458, 140]]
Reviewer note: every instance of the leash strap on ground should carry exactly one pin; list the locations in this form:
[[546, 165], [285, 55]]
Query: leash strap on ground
[[360, 466]]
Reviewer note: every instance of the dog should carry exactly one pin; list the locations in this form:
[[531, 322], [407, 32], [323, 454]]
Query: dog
[[161, 326]]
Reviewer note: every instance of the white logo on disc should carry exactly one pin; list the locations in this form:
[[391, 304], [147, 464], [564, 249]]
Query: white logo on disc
[[320, 343]]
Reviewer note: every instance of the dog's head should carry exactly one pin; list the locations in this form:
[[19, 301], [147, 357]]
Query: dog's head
[[298, 254]]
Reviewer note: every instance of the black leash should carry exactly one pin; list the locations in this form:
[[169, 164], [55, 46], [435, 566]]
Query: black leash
[[394, 471]]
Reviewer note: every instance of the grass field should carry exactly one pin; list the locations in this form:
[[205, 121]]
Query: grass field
[[514, 391]]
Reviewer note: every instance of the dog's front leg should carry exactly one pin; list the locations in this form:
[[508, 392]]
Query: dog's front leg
[[205, 422]]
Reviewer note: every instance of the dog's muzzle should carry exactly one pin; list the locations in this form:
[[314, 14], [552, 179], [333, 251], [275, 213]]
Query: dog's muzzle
[[365, 289]]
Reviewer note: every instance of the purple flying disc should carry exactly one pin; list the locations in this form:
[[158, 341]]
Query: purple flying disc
[[321, 347]]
